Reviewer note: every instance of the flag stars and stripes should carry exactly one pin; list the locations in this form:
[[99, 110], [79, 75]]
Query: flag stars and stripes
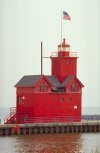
[[66, 16]]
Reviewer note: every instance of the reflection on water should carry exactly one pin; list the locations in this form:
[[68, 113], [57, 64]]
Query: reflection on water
[[50, 143]]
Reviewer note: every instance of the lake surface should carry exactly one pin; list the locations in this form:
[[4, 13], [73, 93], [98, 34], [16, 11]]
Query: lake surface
[[51, 143]]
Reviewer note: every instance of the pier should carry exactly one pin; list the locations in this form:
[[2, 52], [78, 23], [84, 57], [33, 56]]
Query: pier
[[40, 128]]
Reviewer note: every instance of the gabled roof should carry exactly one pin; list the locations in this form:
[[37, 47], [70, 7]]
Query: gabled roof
[[66, 81], [54, 80], [30, 80]]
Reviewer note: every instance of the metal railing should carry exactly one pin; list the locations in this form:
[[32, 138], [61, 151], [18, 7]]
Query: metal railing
[[60, 119], [11, 115], [52, 119], [71, 54], [91, 118], [54, 54]]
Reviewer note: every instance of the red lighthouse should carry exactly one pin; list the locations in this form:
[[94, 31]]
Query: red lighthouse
[[65, 64], [49, 98]]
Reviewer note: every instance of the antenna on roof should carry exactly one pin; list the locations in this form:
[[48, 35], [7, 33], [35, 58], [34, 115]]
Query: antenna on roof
[[41, 59]]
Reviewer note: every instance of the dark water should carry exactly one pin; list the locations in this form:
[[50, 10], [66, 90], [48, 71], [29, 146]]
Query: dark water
[[51, 143]]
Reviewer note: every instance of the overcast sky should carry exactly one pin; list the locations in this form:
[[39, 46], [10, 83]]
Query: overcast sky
[[24, 23]]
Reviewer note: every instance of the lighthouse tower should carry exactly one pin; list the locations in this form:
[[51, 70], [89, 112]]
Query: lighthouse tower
[[64, 63]]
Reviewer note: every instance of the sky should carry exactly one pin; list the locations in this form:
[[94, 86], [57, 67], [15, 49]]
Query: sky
[[25, 23]]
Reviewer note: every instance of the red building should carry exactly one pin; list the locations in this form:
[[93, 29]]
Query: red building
[[49, 98]]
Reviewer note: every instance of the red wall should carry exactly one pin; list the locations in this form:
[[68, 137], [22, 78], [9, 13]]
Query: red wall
[[48, 104], [64, 66]]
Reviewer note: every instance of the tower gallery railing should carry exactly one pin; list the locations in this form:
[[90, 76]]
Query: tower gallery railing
[[71, 54]]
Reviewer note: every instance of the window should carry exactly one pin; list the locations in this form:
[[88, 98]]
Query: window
[[74, 87], [19, 100], [77, 88], [43, 87], [61, 89], [62, 99], [46, 88], [73, 84]]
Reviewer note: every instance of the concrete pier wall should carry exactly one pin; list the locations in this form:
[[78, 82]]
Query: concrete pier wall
[[23, 129]]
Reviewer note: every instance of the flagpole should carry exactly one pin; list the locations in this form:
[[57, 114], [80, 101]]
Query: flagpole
[[61, 25], [61, 28]]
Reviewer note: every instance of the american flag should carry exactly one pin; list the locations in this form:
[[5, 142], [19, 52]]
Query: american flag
[[66, 16]]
